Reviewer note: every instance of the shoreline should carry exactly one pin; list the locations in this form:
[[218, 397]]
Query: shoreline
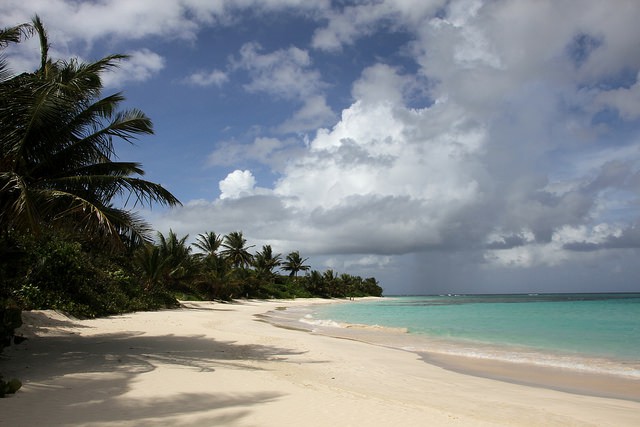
[[220, 364], [546, 377], [575, 381]]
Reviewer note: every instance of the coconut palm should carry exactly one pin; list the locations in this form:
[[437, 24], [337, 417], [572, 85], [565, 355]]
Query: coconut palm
[[265, 262], [176, 256], [11, 35], [150, 265], [314, 283], [235, 249], [294, 264], [56, 146], [209, 243]]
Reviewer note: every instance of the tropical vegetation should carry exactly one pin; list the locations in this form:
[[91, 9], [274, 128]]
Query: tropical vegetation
[[69, 237]]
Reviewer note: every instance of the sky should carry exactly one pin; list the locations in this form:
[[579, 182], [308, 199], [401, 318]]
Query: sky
[[440, 146]]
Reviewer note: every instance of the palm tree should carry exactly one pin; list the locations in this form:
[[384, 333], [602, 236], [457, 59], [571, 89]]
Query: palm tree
[[12, 35], [215, 278], [265, 261], [209, 243], [331, 284], [314, 283], [235, 249], [295, 263], [150, 265], [176, 256], [57, 144], [372, 287]]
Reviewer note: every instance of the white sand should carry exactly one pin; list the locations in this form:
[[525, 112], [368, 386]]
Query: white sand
[[214, 365]]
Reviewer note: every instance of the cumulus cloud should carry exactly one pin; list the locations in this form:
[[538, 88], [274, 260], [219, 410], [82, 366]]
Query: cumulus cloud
[[287, 74], [273, 152], [388, 177], [382, 83], [568, 244], [123, 19], [237, 184], [211, 78], [284, 73], [141, 65], [90, 21], [522, 153], [352, 22], [313, 114]]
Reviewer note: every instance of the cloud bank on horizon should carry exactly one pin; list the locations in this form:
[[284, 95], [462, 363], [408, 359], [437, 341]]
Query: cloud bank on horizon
[[438, 145]]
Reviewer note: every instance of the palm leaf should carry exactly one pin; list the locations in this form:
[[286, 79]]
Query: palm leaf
[[57, 144]]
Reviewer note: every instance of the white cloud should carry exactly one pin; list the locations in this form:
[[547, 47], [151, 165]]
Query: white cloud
[[237, 184], [562, 248], [140, 66], [211, 78], [381, 83], [287, 74], [284, 73], [315, 113], [272, 152], [353, 22], [70, 21], [509, 167], [90, 21], [391, 179]]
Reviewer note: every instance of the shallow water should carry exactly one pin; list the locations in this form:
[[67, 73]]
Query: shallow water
[[595, 333]]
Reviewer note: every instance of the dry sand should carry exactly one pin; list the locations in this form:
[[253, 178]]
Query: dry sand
[[212, 364]]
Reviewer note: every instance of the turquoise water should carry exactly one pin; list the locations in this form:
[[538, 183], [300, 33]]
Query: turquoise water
[[589, 324], [598, 332]]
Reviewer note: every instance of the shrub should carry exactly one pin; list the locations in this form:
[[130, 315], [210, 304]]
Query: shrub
[[10, 320], [9, 387]]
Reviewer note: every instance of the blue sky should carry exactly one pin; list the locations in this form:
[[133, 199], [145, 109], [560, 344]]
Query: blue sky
[[440, 146]]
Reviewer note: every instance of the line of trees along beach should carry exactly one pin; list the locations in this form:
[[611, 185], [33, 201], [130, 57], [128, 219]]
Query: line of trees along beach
[[64, 242]]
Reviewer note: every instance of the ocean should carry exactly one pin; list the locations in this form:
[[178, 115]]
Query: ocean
[[597, 333]]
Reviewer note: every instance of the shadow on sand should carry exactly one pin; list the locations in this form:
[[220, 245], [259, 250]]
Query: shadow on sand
[[82, 378]]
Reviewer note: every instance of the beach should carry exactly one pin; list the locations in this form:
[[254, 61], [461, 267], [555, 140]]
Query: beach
[[215, 364]]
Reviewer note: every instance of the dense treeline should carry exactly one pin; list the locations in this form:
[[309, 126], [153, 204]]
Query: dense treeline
[[63, 242], [225, 269], [59, 271]]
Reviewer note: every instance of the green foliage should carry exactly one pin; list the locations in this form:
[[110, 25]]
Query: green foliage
[[223, 278], [235, 249], [9, 387], [58, 181], [235, 273], [265, 262], [60, 273], [65, 246], [295, 263], [209, 243], [328, 285], [57, 144], [10, 320]]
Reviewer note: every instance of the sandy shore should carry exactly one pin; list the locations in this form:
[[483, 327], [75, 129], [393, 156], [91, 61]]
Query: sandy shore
[[212, 364]]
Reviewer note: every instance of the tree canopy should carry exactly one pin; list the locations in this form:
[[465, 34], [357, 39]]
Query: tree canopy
[[57, 145]]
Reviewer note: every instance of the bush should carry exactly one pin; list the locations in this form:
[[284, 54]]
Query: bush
[[10, 320], [9, 387], [85, 281]]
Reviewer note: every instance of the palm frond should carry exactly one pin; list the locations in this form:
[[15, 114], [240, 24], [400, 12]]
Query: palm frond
[[15, 34], [57, 147], [44, 42]]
